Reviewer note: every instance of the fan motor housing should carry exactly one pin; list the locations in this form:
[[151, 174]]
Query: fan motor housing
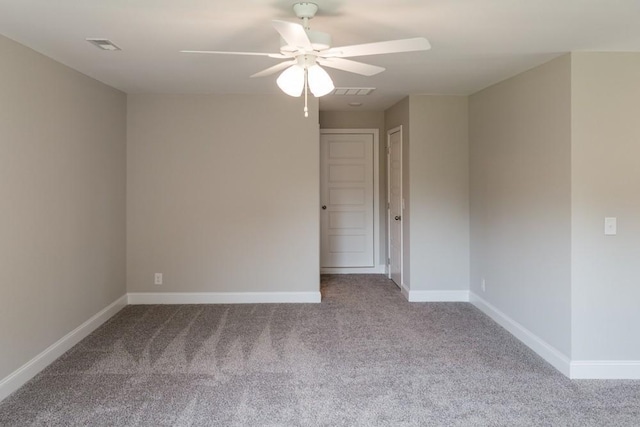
[[305, 10]]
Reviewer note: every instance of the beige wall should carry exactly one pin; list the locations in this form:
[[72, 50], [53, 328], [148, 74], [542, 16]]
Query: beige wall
[[520, 158], [439, 180], [399, 115], [62, 181], [352, 120], [435, 183], [366, 120], [606, 182], [222, 194]]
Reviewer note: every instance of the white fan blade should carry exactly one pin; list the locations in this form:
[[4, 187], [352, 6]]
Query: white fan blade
[[379, 48], [293, 34], [274, 69], [350, 66], [218, 52]]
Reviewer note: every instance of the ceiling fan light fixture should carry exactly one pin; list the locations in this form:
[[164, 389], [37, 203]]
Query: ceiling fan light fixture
[[302, 50], [320, 82], [291, 81]]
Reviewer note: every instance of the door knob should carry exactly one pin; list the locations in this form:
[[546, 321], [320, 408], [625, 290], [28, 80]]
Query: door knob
[[397, 218], [324, 206]]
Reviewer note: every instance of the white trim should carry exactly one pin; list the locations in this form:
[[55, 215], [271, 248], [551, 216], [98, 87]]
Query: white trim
[[438, 296], [404, 290], [549, 353], [605, 369], [380, 269], [27, 371], [376, 183], [222, 297]]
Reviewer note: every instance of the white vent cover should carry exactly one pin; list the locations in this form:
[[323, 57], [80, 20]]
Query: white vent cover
[[103, 44], [357, 91]]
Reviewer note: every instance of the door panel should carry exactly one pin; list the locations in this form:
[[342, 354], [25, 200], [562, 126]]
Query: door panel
[[345, 243], [346, 179], [347, 173], [338, 220], [347, 196]]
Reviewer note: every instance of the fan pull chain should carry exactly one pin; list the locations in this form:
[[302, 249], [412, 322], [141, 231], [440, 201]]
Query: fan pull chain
[[306, 90]]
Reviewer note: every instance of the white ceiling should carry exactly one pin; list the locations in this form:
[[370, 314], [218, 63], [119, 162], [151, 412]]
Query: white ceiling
[[475, 42]]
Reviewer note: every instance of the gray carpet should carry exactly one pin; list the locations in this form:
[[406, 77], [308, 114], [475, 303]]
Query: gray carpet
[[363, 357]]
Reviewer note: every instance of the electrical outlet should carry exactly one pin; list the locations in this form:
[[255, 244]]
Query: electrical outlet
[[483, 285], [157, 279], [610, 226]]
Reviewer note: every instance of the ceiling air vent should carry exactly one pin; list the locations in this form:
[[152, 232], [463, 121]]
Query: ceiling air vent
[[358, 91], [103, 44]]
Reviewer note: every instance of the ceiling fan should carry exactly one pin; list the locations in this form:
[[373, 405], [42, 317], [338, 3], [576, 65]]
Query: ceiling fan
[[304, 51]]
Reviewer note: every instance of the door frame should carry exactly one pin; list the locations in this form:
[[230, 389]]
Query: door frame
[[390, 132], [378, 268]]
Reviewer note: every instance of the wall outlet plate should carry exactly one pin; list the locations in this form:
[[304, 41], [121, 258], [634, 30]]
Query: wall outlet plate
[[157, 279], [610, 226]]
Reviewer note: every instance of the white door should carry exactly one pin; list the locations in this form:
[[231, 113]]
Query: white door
[[347, 204], [394, 188]]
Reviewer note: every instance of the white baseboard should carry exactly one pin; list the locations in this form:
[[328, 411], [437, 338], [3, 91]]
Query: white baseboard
[[438, 296], [605, 369], [549, 353], [27, 371], [380, 269], [223, 297], [404, 290]]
